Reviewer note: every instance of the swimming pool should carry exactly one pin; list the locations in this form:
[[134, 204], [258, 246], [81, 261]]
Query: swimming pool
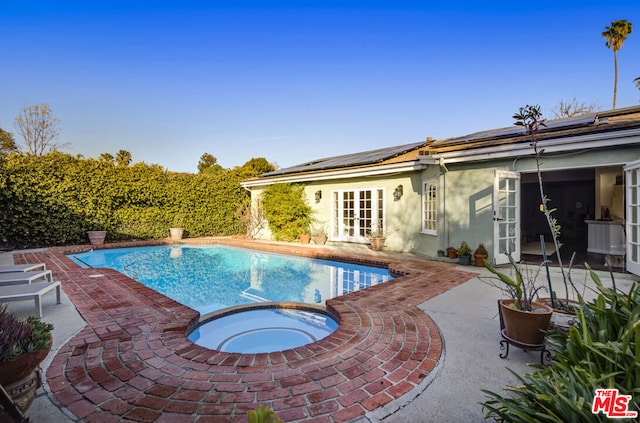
[[210, 278]]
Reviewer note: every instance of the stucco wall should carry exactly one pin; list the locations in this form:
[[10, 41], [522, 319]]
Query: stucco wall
[[465, 195]]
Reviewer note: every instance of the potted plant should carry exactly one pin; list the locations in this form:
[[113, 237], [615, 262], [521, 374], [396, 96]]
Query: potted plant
[[319, 234], [177, 231], [23, 346], [378, 236], [96, 237], [452, 252], [480, 254], [440, 253], [525, 321], [464, 253], [304, 237]]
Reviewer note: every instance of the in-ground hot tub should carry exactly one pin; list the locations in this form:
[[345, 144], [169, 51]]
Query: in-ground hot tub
[[264, 327]]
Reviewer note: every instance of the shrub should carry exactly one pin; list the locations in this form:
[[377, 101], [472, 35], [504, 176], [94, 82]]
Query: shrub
[[55, 198], [601, 351], [19, 336], [287, 211]]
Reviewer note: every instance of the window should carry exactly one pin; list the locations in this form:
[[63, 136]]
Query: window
[[429, 207]]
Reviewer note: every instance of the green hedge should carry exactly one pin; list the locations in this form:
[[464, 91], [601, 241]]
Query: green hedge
[[55, 198]]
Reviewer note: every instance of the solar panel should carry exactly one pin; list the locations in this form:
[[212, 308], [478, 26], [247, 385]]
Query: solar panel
[[354, 159]]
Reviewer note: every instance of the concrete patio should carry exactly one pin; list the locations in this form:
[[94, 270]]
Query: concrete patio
[[419, 349]]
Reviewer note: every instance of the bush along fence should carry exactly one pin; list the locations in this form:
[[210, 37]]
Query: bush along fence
[[56, 198]]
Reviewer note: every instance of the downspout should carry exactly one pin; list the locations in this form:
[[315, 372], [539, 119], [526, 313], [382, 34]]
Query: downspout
[[444, 170]]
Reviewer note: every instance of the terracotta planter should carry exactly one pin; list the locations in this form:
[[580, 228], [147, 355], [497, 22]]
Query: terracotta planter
[[304, 238], [526, 327], [320, 239], [452, 253], [176, 233], [377, 244], [480, 258], [96, 237], [21, 367]]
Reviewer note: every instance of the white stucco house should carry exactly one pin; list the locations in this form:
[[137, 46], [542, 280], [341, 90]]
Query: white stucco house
[[483, 188]]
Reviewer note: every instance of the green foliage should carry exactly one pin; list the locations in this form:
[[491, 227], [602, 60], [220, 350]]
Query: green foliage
[[523, 289], [19, 336], [263, 414], [7, 142], [464, 248], [55, 198], [287, 211], [601, 351], [209, 164]]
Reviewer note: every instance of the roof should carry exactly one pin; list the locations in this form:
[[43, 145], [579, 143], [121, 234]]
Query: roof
[[512, 139], [348, 160], [573, 126]]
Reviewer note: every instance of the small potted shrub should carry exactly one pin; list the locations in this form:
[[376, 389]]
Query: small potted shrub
[[440, 253], [23, 346], [480, 254], [525, 320], [177, 231], [378, 236], [452, 252], [319, 234], [464, 253]]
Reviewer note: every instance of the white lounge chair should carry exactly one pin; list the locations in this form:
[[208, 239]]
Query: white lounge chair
[[31, 291], [11, 268], [17, 278]]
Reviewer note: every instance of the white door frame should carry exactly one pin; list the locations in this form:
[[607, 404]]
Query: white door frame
[[355, 212], [506, 216], [632, 216]]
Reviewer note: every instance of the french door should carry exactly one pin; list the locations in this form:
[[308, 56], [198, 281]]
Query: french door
[[632, 216], [506, 216], [356, 212]]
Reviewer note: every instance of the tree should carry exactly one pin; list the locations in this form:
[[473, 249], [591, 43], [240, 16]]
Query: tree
[[39, 128], [572, 108], [123, 158], [615, 36], [106, 157], [255, 167], [637, 81], [7, 142], [209, 164]]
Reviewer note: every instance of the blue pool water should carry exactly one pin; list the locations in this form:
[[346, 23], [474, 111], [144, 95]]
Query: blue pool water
[[210, 278]]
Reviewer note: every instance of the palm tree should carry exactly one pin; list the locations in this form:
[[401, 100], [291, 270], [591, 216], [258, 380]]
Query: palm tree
[[615, 36]]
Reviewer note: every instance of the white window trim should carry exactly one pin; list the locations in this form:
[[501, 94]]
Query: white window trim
[[426, 182]]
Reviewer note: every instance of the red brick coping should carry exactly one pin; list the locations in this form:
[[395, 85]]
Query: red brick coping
[[133, 361]]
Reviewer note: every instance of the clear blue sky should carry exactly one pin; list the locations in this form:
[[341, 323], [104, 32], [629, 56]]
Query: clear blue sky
[[294, 81]]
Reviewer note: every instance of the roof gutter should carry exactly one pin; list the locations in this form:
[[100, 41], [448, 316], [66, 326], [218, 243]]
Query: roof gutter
[[360, 172], [588, 141]]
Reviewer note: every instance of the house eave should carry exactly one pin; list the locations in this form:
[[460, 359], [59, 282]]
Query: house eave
[[555, 145], [359, 172]]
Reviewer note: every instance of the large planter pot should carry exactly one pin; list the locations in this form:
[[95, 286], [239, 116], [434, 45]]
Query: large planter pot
[[525, 327], [465, 259], [96, 237], [377, 244], [304, 238], [176, 233], [480, 258], [21, 367], [320, 239]]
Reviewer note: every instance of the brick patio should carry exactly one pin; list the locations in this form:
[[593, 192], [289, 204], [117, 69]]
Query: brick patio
[[133, 361]]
